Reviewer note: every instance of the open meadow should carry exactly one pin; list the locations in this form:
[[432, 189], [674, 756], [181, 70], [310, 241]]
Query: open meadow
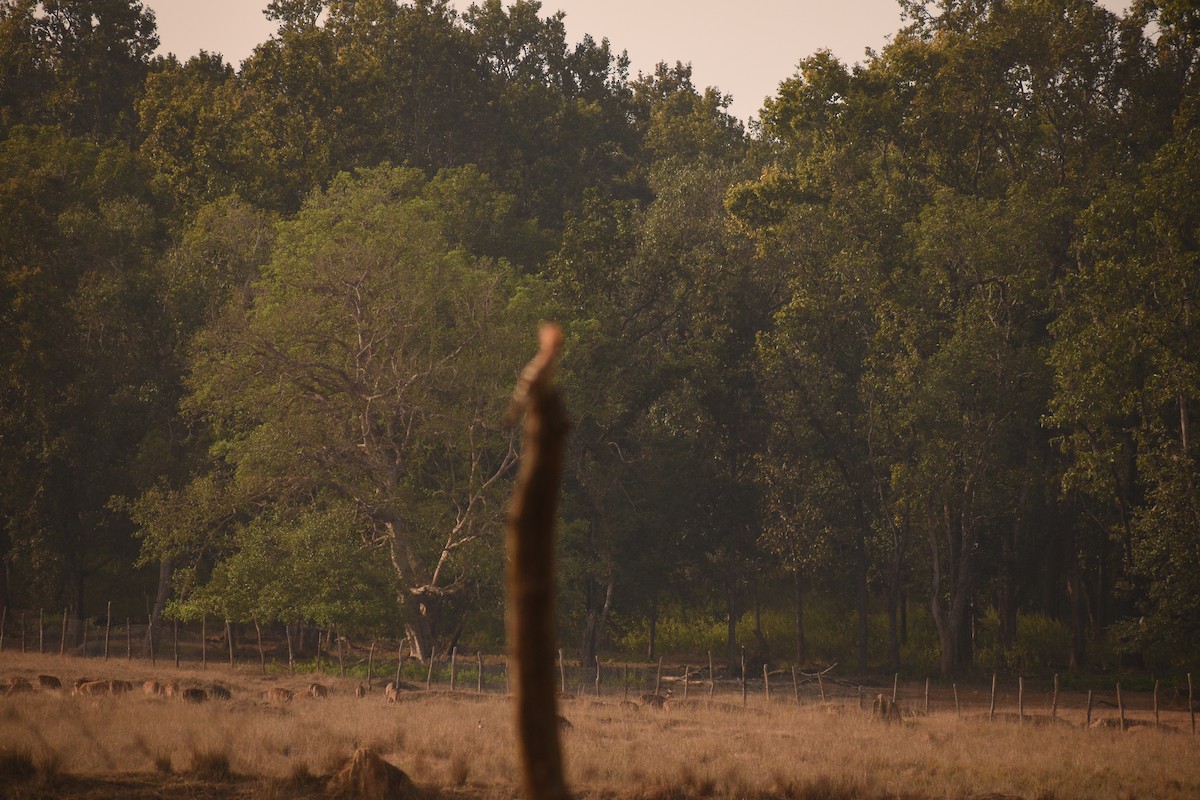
[[459, 744]]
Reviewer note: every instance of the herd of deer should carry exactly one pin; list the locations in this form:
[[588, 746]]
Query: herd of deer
[[92, 688]]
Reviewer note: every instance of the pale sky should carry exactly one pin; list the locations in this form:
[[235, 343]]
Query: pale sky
[[743, 48]]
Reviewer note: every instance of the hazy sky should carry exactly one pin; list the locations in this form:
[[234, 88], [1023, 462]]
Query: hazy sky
[[744, 48]]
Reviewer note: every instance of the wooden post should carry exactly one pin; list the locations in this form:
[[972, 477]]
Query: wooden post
[[287, 631], [3, 619], [927, 694], [507, 681], [562, 673], [957, 707], [743, 676], [370, 664], [1156, 702], [479, 665], [1088, 722], [712, 677], [107, 629], [598, 675], [530, 542], [658, 677], [429, 675], [320, 633], [204, 641], [62, 643], [1054, 700], [1020, 698], [399, 661], [175, 641], [453, 668], [767, 684], [153, 642], [1192, 704], [626, 680], [85, 634], [992, 707], [821, 686], [686, 674], [1121, 706], [22, 631], [229, 641], [41, 633], [341, 659], [262, 656], [795, 685], [128, 639], [895, 687]]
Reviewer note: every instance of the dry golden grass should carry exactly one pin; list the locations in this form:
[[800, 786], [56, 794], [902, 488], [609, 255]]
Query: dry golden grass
[[54, 744]]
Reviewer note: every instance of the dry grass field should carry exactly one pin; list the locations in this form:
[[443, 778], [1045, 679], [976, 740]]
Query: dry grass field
[[54, 744]]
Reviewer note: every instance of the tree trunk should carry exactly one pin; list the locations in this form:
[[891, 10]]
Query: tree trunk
[[801, 647], [418, 633], [763, 645], [731, 617], [593, 627], [166, 571]]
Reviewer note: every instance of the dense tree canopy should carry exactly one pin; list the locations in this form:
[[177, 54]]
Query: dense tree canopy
[[910, 363]]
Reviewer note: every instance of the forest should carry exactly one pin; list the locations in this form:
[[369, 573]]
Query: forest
[[898, 375]]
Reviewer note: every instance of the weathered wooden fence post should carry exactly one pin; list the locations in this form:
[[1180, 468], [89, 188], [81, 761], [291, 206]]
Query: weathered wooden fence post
[[658, 677], [128, 639], [795, 685], [3, 619], [1020, 698], [429, 675], [767, 683], [1156, 702], [107, 629], [479, 670], [453, 667], [62, 642], [175, 641], [529, 537], [341, 658], [1192, 704], [229, 641], [821, 686], [992, 705], [1088, 720], [927, 694], [743, 676], [41, 632], [712, 677], [370, 664], [204, 641], [1121, 706], [895, 687], [957, 707], [1054, 700]]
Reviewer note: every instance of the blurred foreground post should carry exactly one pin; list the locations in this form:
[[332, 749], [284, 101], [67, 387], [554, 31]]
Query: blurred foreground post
[[529, 535]]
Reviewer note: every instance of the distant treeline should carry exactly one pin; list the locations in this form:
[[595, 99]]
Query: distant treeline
[[917, 348]]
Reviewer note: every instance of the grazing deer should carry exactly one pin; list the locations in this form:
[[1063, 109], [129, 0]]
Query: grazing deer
[[278, 694], [48, 682], [194, 695], [658, 701], [93, 689], [391, 693], [120, 687], [17, 684], [360, 691], [153, 688], [171, 689], [218, 692], [318, 690]]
